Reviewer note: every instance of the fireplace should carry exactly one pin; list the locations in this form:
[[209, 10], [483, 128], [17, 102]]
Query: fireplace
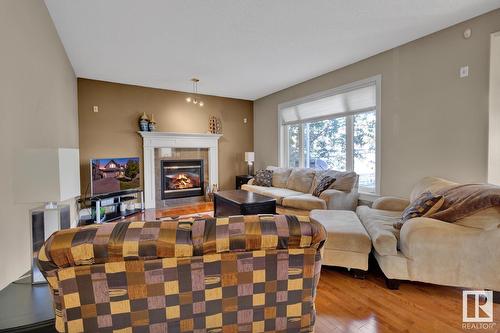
[[181, 178], [159, 146]]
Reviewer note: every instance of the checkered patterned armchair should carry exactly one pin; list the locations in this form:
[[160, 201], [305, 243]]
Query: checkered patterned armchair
[[234, 274]]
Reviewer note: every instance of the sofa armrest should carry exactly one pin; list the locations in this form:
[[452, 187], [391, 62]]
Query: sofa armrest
[[391, 203], [447, 253], [336, 199], [116, 241]]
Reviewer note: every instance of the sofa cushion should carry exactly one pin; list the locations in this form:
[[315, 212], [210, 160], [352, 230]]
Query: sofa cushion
[[379, 223], [304, 201], [344, 180], [274, 192], [280, 176], [263, 178], [300, 179], [345, 231], [253, 188]]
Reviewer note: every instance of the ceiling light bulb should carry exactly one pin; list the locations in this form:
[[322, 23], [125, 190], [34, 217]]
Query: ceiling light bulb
[[195, 101], [188, 99], [201, 103]]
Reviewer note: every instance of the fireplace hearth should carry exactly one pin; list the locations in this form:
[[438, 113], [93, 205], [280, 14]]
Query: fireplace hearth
[[181, 178]]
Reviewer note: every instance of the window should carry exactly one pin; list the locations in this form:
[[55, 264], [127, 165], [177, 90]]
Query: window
[[336, 129]]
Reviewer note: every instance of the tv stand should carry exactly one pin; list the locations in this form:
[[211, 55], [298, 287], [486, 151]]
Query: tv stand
[[111, 203]]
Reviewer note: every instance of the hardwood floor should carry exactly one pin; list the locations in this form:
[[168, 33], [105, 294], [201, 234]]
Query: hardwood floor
[[345, 304], [348, 305], [153, 214]]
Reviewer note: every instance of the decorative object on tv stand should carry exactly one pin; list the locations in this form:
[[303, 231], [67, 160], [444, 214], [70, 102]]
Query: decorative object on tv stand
[[195, 99], [250, 158], [48, 175], [144, 122], [152, 124], [214, 125]]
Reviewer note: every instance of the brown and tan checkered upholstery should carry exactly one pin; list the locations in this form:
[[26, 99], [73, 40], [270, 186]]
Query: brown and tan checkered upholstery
[[233, 274]]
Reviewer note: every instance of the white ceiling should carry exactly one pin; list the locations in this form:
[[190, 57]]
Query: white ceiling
[[240, 48]]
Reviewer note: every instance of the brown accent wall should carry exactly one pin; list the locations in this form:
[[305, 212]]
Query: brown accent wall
[[112, 132]]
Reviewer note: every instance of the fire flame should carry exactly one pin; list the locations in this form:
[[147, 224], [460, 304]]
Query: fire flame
[[182, 181]]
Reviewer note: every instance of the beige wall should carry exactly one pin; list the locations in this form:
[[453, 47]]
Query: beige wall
[[494, 119], [38, 108], [112, 132], [433, 122]]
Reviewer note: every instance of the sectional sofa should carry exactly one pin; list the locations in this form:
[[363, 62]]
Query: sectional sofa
[[465, 253]]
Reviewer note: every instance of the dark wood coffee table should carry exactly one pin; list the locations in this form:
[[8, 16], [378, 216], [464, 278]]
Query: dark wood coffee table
[[240, 202]]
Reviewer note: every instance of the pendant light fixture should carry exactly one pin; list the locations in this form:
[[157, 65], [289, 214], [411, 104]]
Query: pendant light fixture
[[194, 99]]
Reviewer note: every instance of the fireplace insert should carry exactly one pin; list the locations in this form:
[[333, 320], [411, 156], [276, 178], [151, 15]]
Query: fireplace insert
[[181, 178]]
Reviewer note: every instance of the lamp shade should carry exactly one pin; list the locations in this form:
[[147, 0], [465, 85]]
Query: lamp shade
[[249, 156], [47, 174]]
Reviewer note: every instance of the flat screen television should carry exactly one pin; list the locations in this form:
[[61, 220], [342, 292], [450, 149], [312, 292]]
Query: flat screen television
[[110, 175]]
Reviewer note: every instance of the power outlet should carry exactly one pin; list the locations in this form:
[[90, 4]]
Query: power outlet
[[95, 108], [464, 71]]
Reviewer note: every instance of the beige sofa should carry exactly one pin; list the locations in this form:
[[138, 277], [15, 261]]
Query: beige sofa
[[293, 187], [464, 254]]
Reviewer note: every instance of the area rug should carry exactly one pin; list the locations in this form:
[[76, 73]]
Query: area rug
[[187, 216]]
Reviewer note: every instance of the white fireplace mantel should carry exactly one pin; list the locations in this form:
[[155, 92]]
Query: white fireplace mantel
[[152, 140]]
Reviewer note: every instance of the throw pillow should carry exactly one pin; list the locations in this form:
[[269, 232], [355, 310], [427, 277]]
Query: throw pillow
[[323, 185], [263, 178], [426, 204], [318, 175]]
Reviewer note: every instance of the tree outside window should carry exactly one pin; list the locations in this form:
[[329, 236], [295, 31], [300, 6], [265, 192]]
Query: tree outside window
[[325, 146]]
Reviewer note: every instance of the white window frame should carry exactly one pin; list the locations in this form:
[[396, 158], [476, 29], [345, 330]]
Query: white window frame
[[283, 137]]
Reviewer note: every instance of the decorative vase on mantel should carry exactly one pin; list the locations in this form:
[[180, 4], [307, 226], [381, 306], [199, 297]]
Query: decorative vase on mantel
[[144, 122], [152, 124], [214, 125]]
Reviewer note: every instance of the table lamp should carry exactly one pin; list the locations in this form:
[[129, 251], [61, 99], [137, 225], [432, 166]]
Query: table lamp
[[49, 176], [250, 158]]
